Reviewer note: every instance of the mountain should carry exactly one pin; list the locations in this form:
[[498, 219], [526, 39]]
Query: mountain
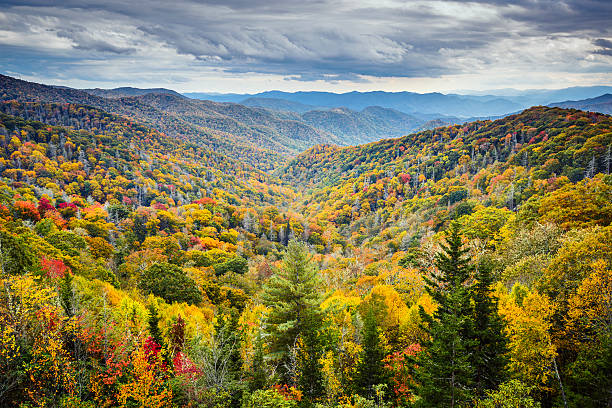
[[254, 135], [372, 123], [407, 102], [535, 138], [127, 91], [532, 97], [601, 104], [467, 104], [259, 136], [278, 104]]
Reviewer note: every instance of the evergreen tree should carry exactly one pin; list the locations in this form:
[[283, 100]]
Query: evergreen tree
[[153, 323], [295, 319], [444, 373], [232, 347], [371, 369], [230, 335], [489, 352], [259, 377], [66, 295]]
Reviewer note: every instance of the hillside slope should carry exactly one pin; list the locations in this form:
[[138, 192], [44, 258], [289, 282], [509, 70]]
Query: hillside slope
[[127, 91], [265, 140], [601, 104], [502, 163]]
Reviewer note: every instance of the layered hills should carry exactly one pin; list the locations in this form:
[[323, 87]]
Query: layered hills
[[141, 245], [602, 104]]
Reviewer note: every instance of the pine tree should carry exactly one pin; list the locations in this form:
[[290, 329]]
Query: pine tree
[[232, 346], [259, 377], [153, 323], [66, 295], [489, 353], [229, 331], [295, 317], [444, 374], [371, 370]]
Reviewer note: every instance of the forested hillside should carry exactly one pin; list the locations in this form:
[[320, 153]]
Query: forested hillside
[[256, 136], [147, 263]]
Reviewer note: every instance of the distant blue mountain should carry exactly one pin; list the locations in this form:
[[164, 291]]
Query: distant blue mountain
[[407, 102], [488, 103], [601, 104]]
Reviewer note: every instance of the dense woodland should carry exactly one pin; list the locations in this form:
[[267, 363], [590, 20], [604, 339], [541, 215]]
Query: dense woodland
[[466, 266]]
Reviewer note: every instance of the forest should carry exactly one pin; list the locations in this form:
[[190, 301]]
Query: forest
[[464, 266]]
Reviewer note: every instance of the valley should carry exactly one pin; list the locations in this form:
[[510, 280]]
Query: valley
[[159, 250]]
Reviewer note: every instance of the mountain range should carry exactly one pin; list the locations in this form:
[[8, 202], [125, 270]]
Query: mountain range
[[602, 104], [467, 105], [257, 135], [272, 127]]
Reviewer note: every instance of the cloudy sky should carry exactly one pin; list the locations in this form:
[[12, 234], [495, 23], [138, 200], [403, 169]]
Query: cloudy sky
[[255, 45]]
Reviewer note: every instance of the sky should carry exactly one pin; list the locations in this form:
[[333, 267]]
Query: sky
[[247, 46]]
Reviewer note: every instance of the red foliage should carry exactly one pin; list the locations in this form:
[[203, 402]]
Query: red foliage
[[152, 349], [68, 210], [289, 393], [45, 205], [26, 210], [193, 241], [206, 201], [399, 364], [54, 268], [185, 367], [4, 211]]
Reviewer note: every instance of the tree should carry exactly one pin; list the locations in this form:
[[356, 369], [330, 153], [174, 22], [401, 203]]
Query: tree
[[444, 375], [511, 394], [219, 358], [259, 377], [153, 324], [489, 352], [236, 264], [589, 326], [170, 282], [66, 294], [295, 316], [16, 256], [371, 369]]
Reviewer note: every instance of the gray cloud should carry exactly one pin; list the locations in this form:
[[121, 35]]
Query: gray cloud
[[605, 46], [324, 39]]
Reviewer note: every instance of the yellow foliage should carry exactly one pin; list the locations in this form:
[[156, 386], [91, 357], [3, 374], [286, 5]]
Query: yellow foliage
[[528, 327]]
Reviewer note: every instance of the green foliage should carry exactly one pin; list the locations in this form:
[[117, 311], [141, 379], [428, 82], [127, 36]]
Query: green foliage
[[153, 324], [169, 282], [236, 264], [445, 375], [16, 256], [488, 354], [511, 394], [268, 399], [66, 294], [292, 294], [371, 369], [258, 376], [68, 242]]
